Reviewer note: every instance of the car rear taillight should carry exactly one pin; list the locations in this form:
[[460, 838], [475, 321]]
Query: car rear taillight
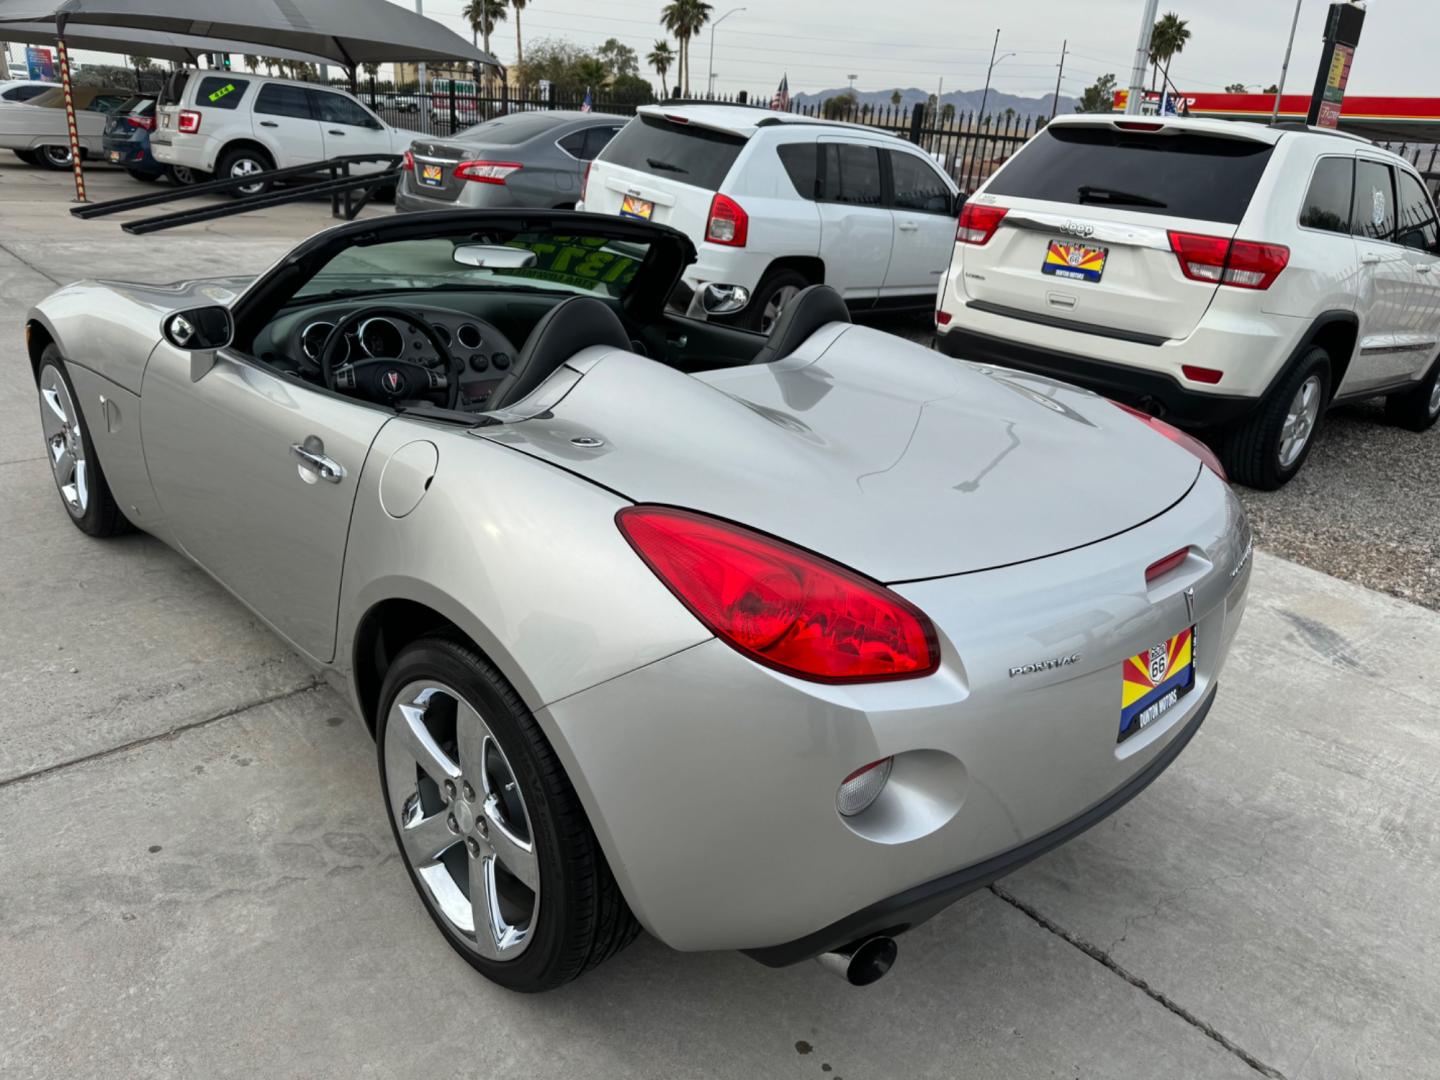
[[942, 318], [585, 181], [1160, 567], [978, 223], [779, 604], [1138, 125], [408, 163], [188, 122], [1242, 264], [1195, 373], [1179, 438], [487, 172], [144, 123], [728, 223]]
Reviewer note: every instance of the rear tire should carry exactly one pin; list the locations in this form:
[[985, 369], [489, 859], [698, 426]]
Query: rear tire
[[184, 176], [776, 289], [1268, 448], [71, 454], [244, 161], [1417, 409], [575, 917]]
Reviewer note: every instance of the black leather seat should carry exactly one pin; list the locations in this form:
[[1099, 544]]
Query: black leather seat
[[810, 309], [568, 327]]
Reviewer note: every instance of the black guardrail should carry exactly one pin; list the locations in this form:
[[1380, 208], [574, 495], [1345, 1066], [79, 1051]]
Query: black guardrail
[[348, 193]]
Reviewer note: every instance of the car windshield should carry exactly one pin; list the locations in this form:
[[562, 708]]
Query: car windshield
[[569, 264]]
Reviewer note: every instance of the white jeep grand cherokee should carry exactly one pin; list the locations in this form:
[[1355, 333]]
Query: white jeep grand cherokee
[[1231, 277]]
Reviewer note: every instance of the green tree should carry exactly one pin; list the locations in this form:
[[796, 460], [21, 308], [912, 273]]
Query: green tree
[[142, 63], [1166, 42], [632, 90], [1099, 97], [684, 18], [619, 59], [252, 63], [1235, 88], [1273, 88], [518, 6], [662, 59], [947, 113], [896, 98], [839, 106], [591, 72], [371, 69], [483, 16]]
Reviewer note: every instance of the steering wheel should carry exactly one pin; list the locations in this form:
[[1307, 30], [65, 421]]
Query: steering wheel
[[388, 380]]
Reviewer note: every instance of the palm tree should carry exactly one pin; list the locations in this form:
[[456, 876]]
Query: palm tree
[[483, 16], [1168, 39], [661, 59], [895, 98], [519, 6], [947, 114], [684, 18], [252, 63]]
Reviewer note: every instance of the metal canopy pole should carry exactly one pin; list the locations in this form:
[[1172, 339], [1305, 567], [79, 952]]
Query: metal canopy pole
[[1285, 67], [1136, 97], [64, 54]]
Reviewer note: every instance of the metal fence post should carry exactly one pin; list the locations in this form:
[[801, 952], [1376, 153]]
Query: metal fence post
[[917, 119], [454, 121]]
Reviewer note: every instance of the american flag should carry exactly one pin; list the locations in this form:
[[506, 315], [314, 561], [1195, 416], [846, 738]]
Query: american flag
[[587, 104], [781, 100]]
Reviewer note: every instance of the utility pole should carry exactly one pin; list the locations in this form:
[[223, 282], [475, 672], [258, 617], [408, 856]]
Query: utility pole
[[1136, 97], [991, 70], [710, 82], [1285, 67], [420, 68], [1055, 104]]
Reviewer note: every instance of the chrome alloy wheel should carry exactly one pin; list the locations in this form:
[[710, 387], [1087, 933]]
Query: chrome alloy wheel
[[58, 156], [462, 821], [775, 306], [1300, 421], [66, 446], [247, 167]]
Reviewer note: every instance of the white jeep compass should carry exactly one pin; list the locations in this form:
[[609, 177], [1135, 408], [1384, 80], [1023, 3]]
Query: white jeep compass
[[1231, 277]]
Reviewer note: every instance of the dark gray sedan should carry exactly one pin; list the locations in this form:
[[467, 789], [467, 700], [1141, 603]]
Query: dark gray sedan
[[533, 160]]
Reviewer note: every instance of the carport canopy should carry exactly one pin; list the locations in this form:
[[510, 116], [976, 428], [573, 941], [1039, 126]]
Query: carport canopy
[[156, 44]]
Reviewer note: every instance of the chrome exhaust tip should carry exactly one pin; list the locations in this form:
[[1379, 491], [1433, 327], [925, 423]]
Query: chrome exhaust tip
[[861, 962]]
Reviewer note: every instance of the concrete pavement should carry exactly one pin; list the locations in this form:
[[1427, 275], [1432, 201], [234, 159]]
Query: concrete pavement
[[197, 878]]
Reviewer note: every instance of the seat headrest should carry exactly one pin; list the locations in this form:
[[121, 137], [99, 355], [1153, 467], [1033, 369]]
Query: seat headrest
[[809, 310], [568, 327]]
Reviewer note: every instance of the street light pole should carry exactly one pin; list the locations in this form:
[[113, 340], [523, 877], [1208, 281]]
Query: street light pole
[[1055, 102], [988, 72], [1285, 67], [710, 80], [1136, 97], [420, 68]]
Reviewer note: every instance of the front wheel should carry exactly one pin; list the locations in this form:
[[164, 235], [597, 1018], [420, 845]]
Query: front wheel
[[71, 453], [489, 827], [1419, 408], [55, 156], [1266, 450]]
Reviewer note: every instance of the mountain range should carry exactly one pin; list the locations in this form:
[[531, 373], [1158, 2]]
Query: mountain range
[[965, 101]]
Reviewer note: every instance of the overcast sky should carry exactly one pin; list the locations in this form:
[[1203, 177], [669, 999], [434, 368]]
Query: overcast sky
[[917, 43]]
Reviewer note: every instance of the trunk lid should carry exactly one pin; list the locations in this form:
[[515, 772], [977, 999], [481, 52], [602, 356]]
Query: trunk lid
[[435, 161], [880, 453], [1085, 239]]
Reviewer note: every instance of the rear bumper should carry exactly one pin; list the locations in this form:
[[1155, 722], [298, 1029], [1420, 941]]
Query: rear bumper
[[1153, 390], [908, 909]]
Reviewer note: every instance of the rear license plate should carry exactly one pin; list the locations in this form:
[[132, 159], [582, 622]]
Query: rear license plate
[[1155, 681], [115, 156], [632, 207], [432, 175], [1074, 262]]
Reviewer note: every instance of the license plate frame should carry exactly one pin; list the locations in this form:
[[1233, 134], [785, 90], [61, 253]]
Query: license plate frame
[[632, 206], [432, 175], [1155, 681], [114, 157], [1075, 262]]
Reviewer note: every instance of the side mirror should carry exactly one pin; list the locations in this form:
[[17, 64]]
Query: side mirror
[[718, 299], [494, 257], [200, 329]]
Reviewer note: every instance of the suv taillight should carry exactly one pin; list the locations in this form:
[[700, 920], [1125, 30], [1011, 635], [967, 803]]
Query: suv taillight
[[486, 172], [1242, 264], [728, 223], [188, 122], [780, 605], [144, 123], [978, 223]]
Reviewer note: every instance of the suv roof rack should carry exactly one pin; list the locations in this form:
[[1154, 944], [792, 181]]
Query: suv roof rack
[[704, 101]]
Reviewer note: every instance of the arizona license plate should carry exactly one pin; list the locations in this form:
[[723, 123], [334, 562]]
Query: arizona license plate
[[632, 207], [1155, 681], [1075, 262], [432, 175], [114, 155]]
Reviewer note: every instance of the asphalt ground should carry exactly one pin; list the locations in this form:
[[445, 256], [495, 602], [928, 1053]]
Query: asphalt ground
[[197, 878]]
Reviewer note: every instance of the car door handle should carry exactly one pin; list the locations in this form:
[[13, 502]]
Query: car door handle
[[1370, 259], [332, 131], [908, 226], [268, 123], [312, 456], [1423, 268]]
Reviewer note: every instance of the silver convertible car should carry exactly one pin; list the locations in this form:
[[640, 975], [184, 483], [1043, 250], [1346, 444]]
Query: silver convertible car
[[774, 644]]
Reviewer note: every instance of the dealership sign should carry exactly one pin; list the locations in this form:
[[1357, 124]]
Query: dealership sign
[[41, 63]]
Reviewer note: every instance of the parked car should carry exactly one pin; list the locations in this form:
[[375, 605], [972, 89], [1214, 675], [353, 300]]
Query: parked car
[[527, 159], [38, 134], [127, 143], [775, 202], [18, 91], [240, 125], [407, 103], [619, 592], [1235, 278]]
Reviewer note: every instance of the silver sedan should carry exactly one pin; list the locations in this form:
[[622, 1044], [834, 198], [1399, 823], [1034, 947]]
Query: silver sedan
[[534, 160], [776, 644]]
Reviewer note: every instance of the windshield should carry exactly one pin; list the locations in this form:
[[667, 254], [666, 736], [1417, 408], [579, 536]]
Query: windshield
[[571, 265]]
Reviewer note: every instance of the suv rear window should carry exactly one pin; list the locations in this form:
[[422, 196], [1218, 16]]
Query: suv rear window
[[1189, 175], [222, 93], [683, 152]]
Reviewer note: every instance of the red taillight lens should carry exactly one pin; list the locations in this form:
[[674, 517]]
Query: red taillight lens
[[1138, 125], [942, 318], [1179, 438], [585, 181], [781, 605], [1201, 374], [188, 122], [1160, 567], [144, 123], [408, 164], [487, 172], [1242, 264], [978, 223], [729, 224]]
